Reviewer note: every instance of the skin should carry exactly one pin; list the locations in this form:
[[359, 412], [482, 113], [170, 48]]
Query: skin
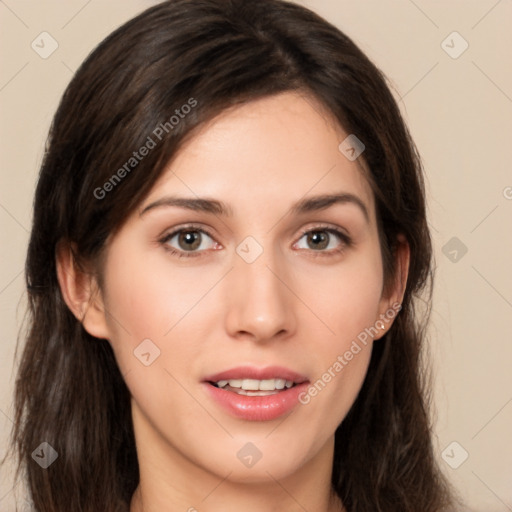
[[296, 305]]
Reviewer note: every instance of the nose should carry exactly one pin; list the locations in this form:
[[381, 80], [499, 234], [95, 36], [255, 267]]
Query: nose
[[260, 304]]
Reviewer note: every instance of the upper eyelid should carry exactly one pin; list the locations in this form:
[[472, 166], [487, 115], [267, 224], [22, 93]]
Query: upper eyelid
[[174, 231], [326, 226]]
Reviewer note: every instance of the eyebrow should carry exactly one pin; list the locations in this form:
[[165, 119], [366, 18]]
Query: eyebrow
[[324, 201], [310, 204]]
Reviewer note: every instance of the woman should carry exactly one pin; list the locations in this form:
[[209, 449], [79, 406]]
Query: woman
[[229, 235]]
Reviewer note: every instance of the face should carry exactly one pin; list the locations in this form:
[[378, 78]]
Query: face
[[253, 265]]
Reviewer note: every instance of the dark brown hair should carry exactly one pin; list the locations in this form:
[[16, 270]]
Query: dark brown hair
[[69, 391]]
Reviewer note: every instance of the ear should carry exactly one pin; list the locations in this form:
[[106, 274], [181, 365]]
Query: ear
[[80, 291], [392, 297]]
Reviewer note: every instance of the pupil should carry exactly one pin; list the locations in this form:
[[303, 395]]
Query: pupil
[[189, 240], [319, 239]]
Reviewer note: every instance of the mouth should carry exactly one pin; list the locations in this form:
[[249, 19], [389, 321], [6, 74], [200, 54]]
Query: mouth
[[254, 387], [256, 394]]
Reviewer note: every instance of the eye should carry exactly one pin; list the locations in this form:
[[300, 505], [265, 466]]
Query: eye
[[323, 240], [188, 240]]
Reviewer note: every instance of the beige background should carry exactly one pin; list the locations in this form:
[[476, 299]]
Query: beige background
[[460, 113]]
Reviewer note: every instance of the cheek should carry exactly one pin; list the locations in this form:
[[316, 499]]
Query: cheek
[[156, 337], [349, 305], [149, 299], [346, 298]]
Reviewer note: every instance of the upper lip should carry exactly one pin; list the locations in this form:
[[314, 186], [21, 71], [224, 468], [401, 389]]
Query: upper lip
[[252, 372]]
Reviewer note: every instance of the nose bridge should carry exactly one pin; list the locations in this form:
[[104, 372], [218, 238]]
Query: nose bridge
[[259, 302]]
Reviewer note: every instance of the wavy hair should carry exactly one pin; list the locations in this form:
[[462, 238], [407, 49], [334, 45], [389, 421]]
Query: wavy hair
[[220, 53]]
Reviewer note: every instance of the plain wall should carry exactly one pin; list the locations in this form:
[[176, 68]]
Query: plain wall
[[459, 111]]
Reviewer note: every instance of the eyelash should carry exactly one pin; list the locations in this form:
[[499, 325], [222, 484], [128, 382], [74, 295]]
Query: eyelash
[[346, 241]]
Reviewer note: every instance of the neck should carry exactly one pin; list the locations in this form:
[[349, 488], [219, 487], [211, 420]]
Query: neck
[[271, 497]]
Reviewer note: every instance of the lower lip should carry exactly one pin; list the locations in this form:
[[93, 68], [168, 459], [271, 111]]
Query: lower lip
[[257, 408]]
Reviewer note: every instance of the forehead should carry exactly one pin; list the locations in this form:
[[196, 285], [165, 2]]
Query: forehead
[[283, 147]]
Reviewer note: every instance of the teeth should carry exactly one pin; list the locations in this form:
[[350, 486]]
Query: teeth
[[256, 385], [280, 383], [250, 384]]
